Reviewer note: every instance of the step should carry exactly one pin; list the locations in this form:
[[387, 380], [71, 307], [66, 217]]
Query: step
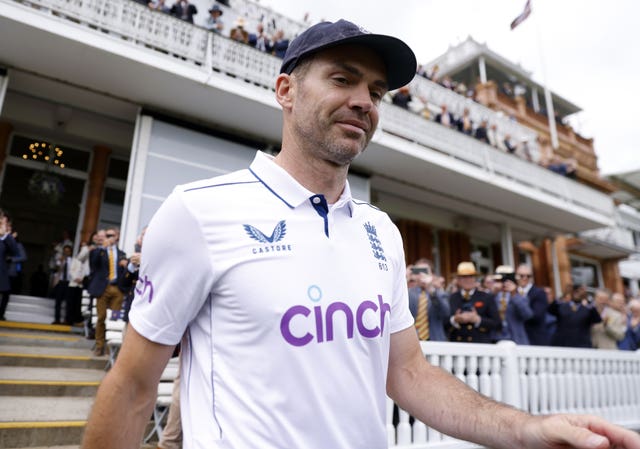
[[30, 381], [26, 337], [37, 356], [38, 421]]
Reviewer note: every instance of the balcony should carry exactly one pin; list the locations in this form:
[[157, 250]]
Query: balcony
[[123, 50]]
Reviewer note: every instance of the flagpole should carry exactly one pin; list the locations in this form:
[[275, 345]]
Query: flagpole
[[551, 116]]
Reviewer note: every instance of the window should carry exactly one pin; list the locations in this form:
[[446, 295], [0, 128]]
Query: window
[[48, 152]]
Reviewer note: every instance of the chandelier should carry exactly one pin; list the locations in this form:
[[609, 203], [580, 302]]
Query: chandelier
[[44, 184]]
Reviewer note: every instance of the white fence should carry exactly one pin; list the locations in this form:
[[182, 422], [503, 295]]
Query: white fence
[[538, 379]]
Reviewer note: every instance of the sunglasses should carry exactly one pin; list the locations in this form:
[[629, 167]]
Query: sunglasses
[[110, 235], [525, 275]]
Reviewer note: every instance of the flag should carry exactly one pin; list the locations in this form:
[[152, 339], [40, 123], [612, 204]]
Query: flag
[[523, 15]]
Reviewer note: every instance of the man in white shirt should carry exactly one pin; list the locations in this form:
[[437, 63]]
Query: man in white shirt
[[291, 295]]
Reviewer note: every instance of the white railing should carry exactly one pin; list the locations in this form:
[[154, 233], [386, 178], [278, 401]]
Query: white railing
[[537, 379], [440, 138]]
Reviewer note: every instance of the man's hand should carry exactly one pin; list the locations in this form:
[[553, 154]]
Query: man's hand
[[576, 431], [135, 259]]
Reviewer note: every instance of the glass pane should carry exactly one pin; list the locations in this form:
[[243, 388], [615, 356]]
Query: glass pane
[[46, 152]]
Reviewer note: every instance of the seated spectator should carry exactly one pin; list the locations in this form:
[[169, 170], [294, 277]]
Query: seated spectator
[[445, 118], [422, 71], [606, 334], [525, 149], [461, 89], [402, 97], [556, 165], [447, 82], [259, 39], [214, 22], [575, 318], [481, 132], [631, 340], [492, 135], [464, 123], [506, 89], [508, 144], [572, 168], [238, 33], [184, 10], [279, 44], [433, 74], [160, 5]]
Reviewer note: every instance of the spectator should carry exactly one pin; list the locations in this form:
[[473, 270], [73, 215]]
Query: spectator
[[127, 282], [447, 82], [184, 10], [214, 22], [238, 33], [492, 135], [444, 117], [64, 276], [279, 44], [538, 302], [513, 307], [510, 147], [612, 328], [73, 297], [160, 5], [8, 248], [107, 264], [428, 302], [631, 340], [433, 74], [402, 97], [96, 240], [474, 316], [575, 319], [464, 123], [259, 39], [481, 133], [16, 262]]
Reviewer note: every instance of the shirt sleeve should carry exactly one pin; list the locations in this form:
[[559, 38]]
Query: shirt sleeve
[[175, 276]]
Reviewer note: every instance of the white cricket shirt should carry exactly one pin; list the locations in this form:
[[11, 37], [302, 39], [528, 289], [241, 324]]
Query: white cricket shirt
[[288, 305]]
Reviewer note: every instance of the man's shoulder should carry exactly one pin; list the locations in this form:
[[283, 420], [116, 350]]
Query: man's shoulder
[[236, 178]]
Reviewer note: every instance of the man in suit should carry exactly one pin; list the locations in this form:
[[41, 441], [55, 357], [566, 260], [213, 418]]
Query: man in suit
[[428, 302], [107, 264], [475, 316], [535, 326], [575, 318], [8, 248], [513, 308]]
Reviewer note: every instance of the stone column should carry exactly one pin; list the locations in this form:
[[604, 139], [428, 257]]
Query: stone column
[[611, 275], [97, 178]]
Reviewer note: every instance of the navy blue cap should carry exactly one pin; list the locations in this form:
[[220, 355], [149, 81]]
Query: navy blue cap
[[397, 56]]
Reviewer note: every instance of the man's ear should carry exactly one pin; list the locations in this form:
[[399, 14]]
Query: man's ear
[[285, 90]]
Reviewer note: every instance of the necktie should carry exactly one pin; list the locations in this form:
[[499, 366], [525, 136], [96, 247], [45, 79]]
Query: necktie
[[64, 269], [503, 306], [422, 317], [465, 295], [521, 291], [112, 270]]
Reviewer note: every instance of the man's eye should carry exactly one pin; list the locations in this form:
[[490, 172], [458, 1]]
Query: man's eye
[[341, 80]]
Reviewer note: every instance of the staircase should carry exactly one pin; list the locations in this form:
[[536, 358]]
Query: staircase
[[48, 378]]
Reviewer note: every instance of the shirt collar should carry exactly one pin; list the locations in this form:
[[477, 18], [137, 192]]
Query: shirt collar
[[286, 188]]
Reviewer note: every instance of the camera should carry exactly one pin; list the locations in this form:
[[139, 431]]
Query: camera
[[467, 307], [424, 270], [505, 277]]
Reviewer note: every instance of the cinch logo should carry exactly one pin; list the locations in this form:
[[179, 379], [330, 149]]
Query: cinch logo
[[143, 287], [278, 234], [322, 319]]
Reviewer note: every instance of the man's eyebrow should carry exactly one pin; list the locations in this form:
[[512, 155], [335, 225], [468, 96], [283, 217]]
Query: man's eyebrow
[[357, 72]]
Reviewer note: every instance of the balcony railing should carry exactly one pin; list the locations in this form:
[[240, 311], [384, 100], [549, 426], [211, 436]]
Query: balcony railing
[[537, 379], [135, 24], [440, 138]]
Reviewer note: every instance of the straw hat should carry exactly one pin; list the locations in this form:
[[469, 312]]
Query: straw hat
[[466, 269]]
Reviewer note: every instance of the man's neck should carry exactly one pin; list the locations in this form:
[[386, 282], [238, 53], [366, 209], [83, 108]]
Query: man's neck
[[318, 176]]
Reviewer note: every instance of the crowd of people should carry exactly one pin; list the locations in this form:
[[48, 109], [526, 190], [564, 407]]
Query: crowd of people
[[266, 38], [482, 130], [507, 305]]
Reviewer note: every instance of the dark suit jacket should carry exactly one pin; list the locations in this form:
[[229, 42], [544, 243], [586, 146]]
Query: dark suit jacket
[[99, 270], [486, 307], [574, 324], [8, 248], [536, 325], [437, 310]]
